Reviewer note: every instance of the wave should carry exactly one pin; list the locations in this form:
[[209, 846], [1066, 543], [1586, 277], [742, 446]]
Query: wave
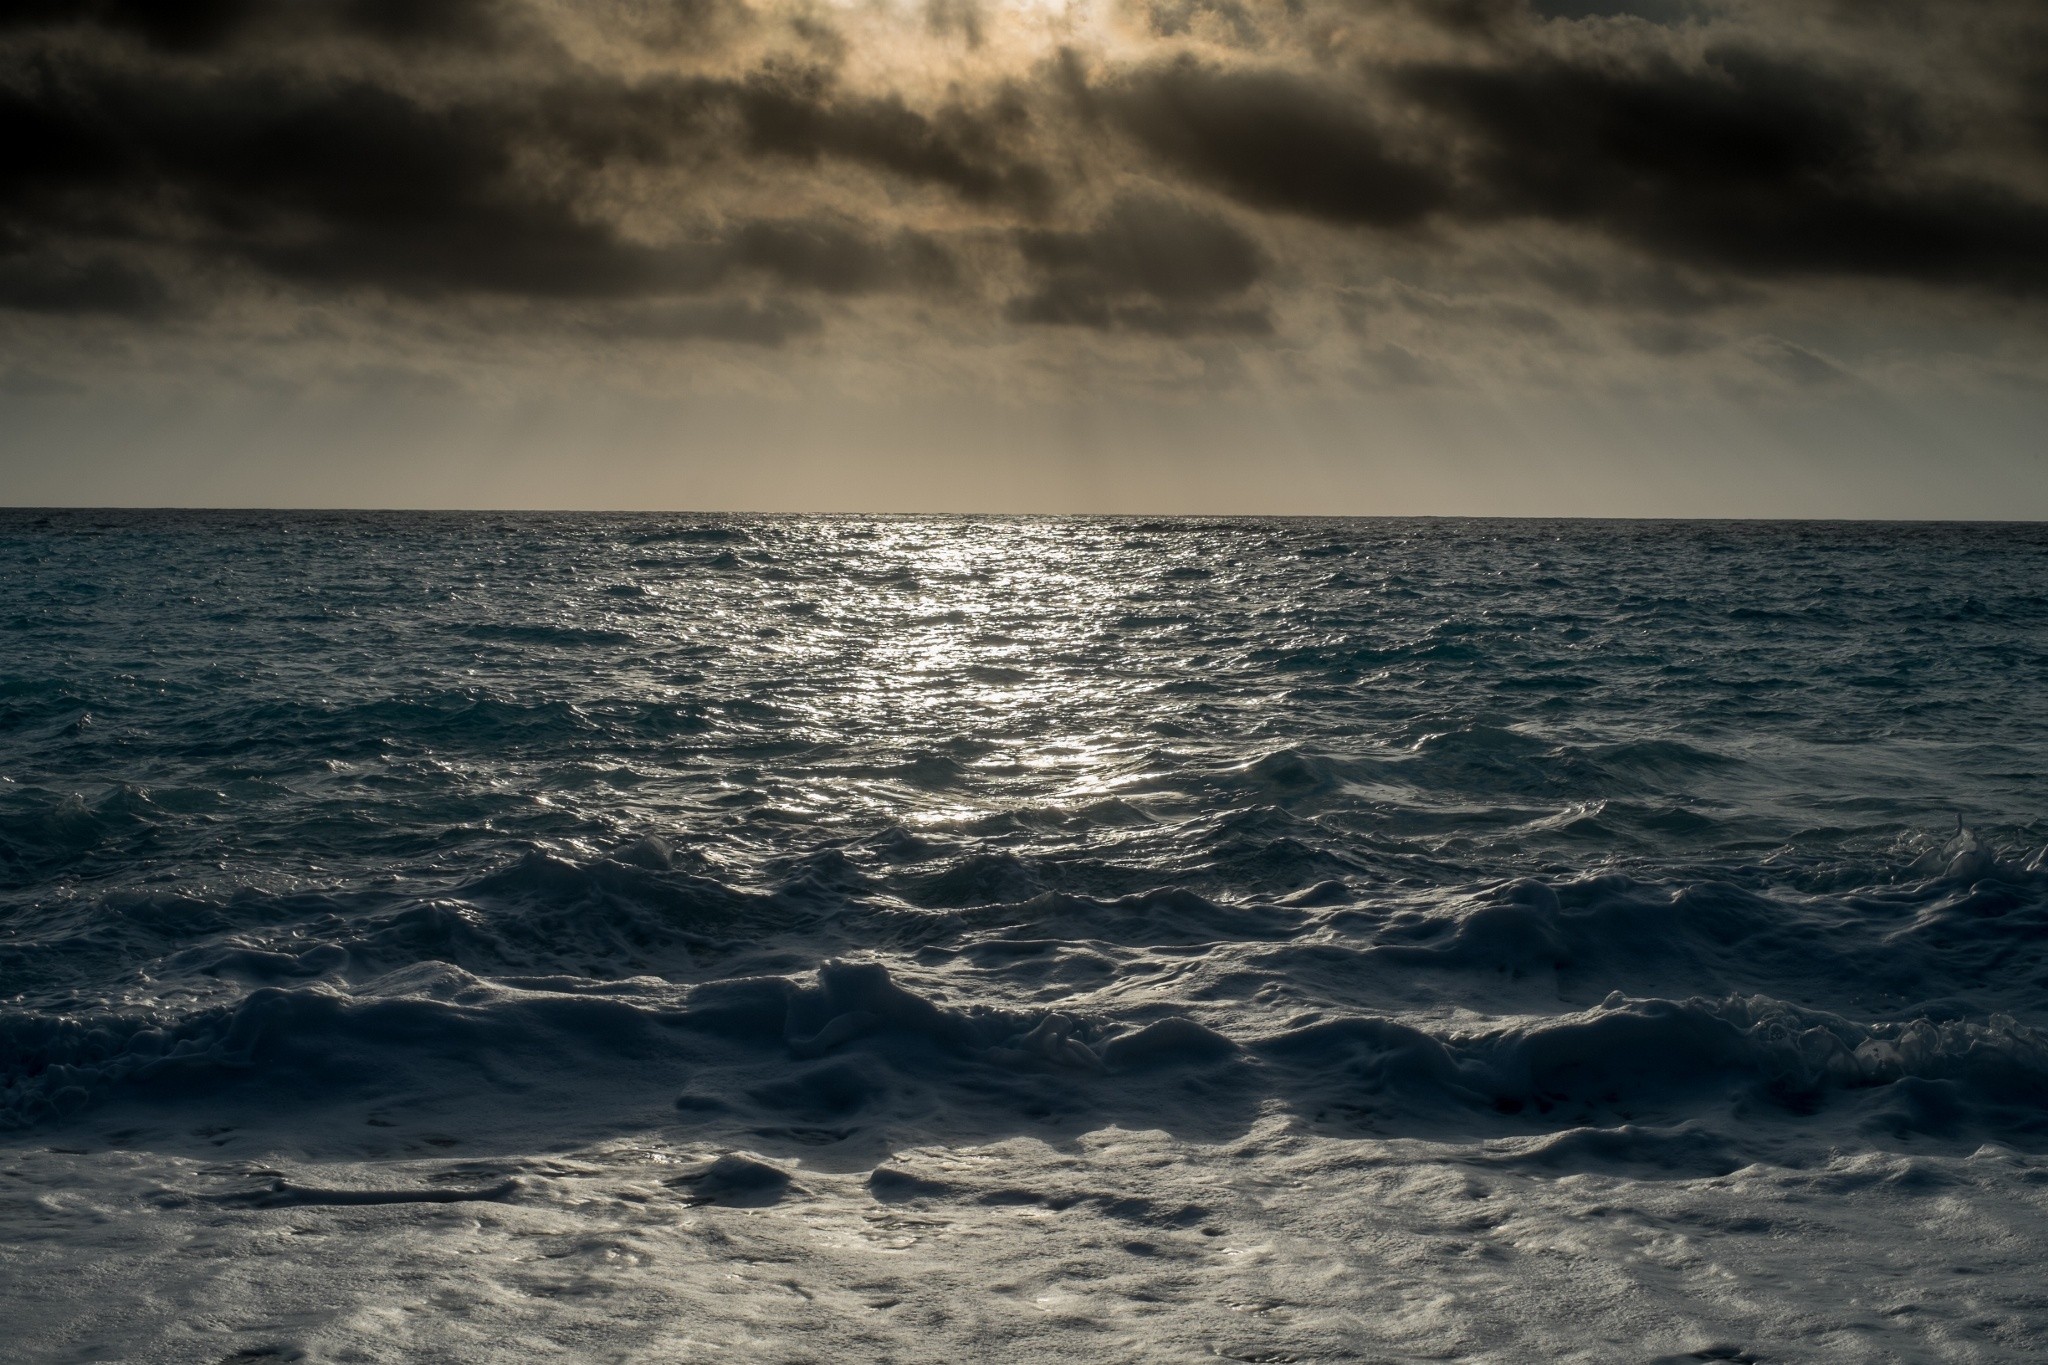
[[1984, 939], [542, 633], [1290, 773], [1742, 1059], [1494, 760], [705, 533], [1488, 762], [463, 719], [852, 1049], [1961, 920]]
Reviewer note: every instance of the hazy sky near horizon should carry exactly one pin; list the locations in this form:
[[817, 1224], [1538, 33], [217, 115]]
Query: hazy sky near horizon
[[1639, 257]]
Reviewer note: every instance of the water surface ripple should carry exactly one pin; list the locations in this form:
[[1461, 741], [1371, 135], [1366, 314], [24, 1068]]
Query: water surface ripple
[[836, 831]]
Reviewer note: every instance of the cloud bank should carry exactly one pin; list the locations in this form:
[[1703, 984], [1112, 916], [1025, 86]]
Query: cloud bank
[[1316, 196]]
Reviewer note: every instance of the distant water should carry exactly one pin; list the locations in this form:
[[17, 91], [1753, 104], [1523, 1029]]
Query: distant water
[[1660, 848]]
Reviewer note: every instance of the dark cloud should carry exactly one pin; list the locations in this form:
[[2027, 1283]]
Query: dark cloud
[[1152, 246], [1465, 16], [2034, 100], [961, 18], [1655, 173], [1224, 21], [680, 26], [1492, 18], [464, 21], [348, 183], [1654, 11], [1630, 287], [329, 182], [1559, 134], [796, 115], [208, 25], [97, 285], [840, 258], [1745, 160], [1739, 160], [1273, 139], [1147, 265], [175, 24]]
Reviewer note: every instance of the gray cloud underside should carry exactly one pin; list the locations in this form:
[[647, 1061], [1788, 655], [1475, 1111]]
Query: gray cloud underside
[[709, 170]]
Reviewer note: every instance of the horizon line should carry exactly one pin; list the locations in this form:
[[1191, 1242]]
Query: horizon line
[[398, 510]]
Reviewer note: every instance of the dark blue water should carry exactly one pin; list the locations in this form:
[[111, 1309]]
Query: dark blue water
[[809, 827]]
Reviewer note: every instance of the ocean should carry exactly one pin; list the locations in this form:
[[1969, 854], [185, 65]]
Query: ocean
[[483, 936]]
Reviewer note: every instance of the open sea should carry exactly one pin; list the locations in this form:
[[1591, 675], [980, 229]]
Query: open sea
[[664, 937]]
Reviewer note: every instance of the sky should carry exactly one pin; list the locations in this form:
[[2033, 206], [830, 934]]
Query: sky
[[1456, 257]]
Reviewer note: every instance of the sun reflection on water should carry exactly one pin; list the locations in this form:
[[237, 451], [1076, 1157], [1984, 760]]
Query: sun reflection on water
[[975, 652]]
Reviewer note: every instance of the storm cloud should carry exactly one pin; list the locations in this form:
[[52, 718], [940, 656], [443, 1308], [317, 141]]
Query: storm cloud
[[758, 176], [1736, 160], [1147, 265], [1274, 140]]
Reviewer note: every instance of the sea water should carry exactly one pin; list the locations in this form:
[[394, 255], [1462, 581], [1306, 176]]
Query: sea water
[[483, 936]]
